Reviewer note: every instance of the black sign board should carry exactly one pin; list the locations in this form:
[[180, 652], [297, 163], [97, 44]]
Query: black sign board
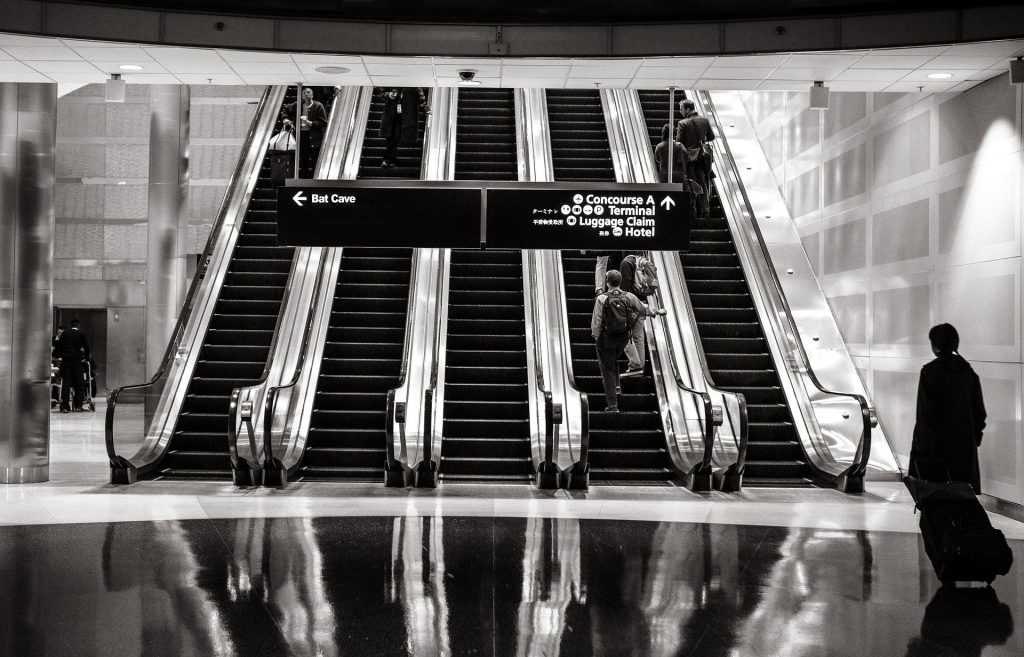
[[326, 214], [571, 218]]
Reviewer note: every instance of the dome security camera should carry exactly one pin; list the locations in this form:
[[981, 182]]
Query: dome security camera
[[467, 75]]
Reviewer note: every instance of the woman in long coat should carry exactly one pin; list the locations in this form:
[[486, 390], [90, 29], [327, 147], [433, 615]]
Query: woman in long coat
[[400, 120], [950, 410]]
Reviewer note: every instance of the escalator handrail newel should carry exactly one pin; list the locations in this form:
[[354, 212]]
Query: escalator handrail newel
[[403, 374], [428, 394], [538, 365], [186, 312], [858, 467]]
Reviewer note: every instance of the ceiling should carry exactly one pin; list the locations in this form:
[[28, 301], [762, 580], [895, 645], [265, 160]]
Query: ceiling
[[72, 63]]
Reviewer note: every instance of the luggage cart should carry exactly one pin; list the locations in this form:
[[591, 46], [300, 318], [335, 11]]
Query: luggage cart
[[90, 387]]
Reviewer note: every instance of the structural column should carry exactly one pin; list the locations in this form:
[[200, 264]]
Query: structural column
[[166, 264], [28, 122]]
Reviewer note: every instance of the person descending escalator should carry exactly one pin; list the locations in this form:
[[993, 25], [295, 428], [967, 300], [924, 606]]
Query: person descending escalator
[[661, 157], [400, 121], [312, 126]]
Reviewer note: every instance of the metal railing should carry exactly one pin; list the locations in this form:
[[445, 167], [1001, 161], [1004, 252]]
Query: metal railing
[[396, 465], [425, 474], [179, 358], [849, 478]]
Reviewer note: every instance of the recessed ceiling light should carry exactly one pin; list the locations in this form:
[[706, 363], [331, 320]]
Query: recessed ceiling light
[[940, 76], [332, 70], [122, 182], [130, 67]]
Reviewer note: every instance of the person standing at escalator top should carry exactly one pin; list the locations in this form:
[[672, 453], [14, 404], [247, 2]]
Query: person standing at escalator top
[[73, 350], [661, 157], [694, 131], [312, 125], [399, 123]]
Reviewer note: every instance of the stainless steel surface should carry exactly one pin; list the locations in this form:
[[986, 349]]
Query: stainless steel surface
[[163, 395], [423, 432], [167, 221], [802, 333], [28, 120], [549, 354]]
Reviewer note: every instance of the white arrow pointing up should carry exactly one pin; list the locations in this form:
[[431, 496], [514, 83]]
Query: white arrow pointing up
[[667, 202], [299, 198]]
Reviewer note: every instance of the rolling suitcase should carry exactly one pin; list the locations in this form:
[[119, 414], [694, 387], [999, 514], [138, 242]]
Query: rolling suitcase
[[958, 537]]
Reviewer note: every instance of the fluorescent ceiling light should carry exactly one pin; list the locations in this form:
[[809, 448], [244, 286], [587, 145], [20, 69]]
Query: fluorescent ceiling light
[[130, 67], [332, 70], [940, 76]]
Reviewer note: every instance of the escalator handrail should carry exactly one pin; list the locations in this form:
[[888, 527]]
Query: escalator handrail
[[183, 317], [272, 392], [570, 376], [435, 349], [410, 312], [538, 366], [863, 453]]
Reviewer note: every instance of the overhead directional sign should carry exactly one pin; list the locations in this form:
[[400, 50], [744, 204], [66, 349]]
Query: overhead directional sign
[[571, 218], [426, 217], [599, 216]]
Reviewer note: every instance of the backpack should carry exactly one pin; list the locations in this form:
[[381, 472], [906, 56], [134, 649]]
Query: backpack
[[618, 319], [645, 276]]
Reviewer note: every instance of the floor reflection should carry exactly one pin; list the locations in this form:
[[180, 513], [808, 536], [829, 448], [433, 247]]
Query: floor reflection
[[428, 586]]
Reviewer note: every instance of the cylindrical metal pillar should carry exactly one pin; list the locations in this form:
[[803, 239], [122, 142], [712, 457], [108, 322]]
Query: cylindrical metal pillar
[[28, 125], [166, 263]]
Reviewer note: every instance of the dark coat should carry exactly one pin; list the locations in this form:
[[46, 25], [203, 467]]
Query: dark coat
[[628, 270], [316, 114], [950, 417], [72, 345], [678, 163], [413, 101], [694, 130]]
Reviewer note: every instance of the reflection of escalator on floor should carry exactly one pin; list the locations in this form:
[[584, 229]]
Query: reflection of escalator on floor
[[732, 336], [629, 446], [486, 409], [362, 357], [237, 342]]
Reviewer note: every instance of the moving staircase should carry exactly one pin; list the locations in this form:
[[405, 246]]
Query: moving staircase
[[732, 336], [362, 357], [628, 446], [238, 340], [486, 409]]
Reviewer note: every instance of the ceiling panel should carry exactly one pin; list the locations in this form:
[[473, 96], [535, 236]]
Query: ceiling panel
[[152, 78], [736, 73], [866, 74], [726, 85], [963, 61], [107, 54], [661, 83], [822, 60], [400, 69], [929, 87], [956, 75], [65, 67], [41, 53], [355, 68], [260, 78], [449, 70], [783, 85], [254, 56], [616, 69], [213, 78], [665, 71], [266, 68], [532, 83], [892, 61], [95, 77], [591, 83], [516, 70], [1004, 49], [751, 61]]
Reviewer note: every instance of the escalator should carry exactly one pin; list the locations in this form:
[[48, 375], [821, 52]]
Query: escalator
[[628, 446], [732, 336], [362, 357], [238, 340], [486, 432]]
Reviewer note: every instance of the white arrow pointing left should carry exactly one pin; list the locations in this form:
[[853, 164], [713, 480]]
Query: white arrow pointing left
[[299, 198], [667, 202]]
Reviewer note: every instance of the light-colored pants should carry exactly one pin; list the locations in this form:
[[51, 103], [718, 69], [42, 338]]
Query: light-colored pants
[[600, 269], [636, 348]]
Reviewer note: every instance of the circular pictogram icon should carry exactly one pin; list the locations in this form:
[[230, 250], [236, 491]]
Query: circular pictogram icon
[[588, 210], [566, 209], [578, 198], [577, 209], [599, 210], [617, 231], [571, 220]]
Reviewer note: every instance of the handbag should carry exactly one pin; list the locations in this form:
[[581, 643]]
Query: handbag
[[282, 141]]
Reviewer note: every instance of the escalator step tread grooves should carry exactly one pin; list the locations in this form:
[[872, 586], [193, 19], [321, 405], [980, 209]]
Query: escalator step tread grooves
[[486, 432], [485, 144], [362, 360], [732, 337], [628, 447], [410, 156], [237, 343]]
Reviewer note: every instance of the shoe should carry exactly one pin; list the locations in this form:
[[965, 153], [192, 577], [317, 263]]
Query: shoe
[[611, 409], [78, 409], [65, 409], [618, 390], [631, 372], [387, 165]]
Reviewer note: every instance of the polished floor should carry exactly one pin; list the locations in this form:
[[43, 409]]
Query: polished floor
[[324, 570]]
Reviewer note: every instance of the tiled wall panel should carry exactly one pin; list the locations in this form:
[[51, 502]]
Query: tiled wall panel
[[940, 242]]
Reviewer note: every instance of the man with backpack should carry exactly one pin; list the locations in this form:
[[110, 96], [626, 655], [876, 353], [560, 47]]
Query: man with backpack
[[616, 313], [639, 276]]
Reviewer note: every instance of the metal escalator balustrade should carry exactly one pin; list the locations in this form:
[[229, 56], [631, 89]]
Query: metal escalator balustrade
[[363, 348], [732, 336], [238, 340], [628, 446], [486, 426]]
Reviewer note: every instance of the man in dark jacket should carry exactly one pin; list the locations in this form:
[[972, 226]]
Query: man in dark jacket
[[950, 410], [73, 349], [694, 131], [609, 345], [663, 151], [636, 348], [312, 125], [399, 123]]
